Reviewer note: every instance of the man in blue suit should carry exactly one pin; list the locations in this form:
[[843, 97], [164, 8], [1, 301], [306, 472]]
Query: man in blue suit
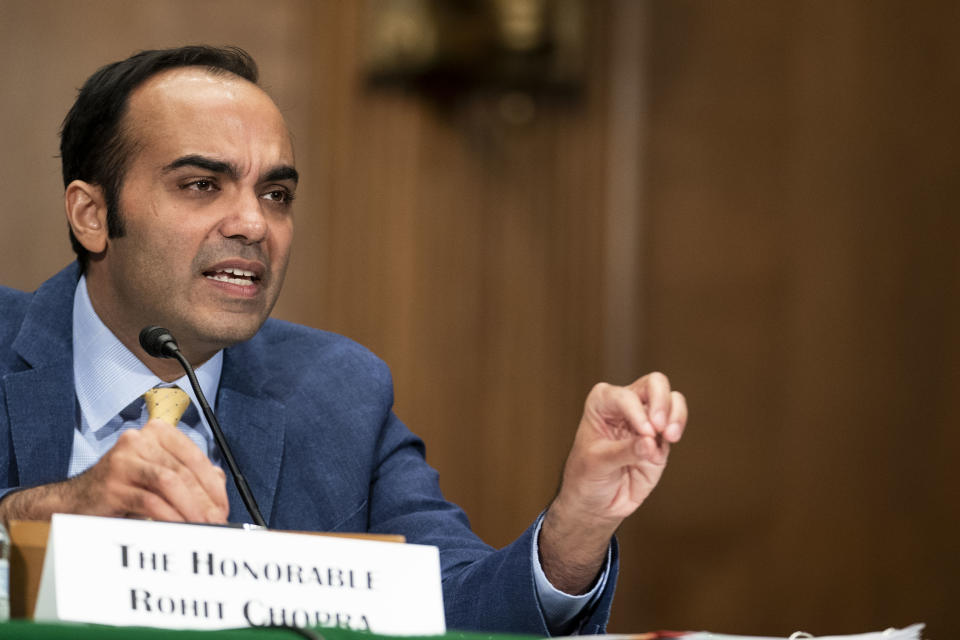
[[180, 178]]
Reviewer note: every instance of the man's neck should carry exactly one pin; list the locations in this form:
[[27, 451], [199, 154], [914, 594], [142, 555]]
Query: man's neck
[[167, 369]]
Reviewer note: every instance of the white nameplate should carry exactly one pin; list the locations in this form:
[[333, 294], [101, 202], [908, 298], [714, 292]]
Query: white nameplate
[[179, 576]]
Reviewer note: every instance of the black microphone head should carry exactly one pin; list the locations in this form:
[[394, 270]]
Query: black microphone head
[[158, 342]]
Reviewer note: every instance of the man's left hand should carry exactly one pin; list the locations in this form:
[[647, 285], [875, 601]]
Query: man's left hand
[[618, 455]]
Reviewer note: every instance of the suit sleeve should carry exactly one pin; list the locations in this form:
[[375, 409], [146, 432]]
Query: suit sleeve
[[483, 589]]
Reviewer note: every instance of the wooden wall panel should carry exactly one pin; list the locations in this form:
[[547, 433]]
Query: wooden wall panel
[[801, 283]]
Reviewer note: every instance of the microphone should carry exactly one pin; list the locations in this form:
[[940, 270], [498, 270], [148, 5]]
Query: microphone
[[160, 343]]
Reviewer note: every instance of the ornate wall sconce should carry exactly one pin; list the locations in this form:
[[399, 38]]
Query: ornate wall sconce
[[448, 48]]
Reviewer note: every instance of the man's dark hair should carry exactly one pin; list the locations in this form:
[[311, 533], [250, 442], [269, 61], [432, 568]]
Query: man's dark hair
[[93, 144]]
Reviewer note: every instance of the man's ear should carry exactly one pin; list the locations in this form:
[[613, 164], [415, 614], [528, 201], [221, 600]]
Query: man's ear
[[86, 209]]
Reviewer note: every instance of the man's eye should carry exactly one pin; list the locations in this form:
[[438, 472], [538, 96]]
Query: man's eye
[[279, 195], [200, 185]]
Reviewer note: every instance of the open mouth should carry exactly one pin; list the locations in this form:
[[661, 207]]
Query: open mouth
[[239, 277]]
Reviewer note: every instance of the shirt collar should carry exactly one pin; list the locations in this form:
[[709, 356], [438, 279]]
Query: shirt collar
[[108, 376]]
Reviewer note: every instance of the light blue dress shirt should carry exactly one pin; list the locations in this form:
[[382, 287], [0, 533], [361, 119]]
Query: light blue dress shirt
[[110, 381]]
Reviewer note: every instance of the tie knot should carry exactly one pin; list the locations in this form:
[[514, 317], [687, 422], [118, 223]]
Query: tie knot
[[166, 403]]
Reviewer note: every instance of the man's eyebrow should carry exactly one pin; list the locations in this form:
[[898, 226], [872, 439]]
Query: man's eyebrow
[[282, 173], [218, 166], [202, 162]]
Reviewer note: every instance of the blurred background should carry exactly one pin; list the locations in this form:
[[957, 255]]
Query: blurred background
[[511, 200]]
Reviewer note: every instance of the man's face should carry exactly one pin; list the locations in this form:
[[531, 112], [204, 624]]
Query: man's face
[[206, 202]]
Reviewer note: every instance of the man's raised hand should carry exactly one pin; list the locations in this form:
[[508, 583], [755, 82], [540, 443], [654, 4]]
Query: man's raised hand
[[618, 455]]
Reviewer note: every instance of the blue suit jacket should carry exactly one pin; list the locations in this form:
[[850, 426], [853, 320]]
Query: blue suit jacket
[[309, 417]]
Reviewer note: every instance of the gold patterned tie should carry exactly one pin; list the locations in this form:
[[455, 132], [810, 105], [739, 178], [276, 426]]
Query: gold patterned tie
[[166, 403]]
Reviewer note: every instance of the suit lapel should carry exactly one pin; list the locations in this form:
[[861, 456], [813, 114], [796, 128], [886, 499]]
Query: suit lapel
[[41, 402], [42, 410], [254, 427]]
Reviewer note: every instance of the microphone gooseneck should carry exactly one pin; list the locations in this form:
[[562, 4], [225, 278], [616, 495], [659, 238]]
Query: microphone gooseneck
[[160, 343]]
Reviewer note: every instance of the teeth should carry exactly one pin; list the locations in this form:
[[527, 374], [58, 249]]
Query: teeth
[[239, 272], [238, 277]]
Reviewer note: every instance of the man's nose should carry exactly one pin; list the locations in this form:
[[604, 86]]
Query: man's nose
[[245, 220]]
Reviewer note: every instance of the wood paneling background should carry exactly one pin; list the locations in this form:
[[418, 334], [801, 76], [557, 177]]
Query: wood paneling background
[[769, 215], [801, 283]]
